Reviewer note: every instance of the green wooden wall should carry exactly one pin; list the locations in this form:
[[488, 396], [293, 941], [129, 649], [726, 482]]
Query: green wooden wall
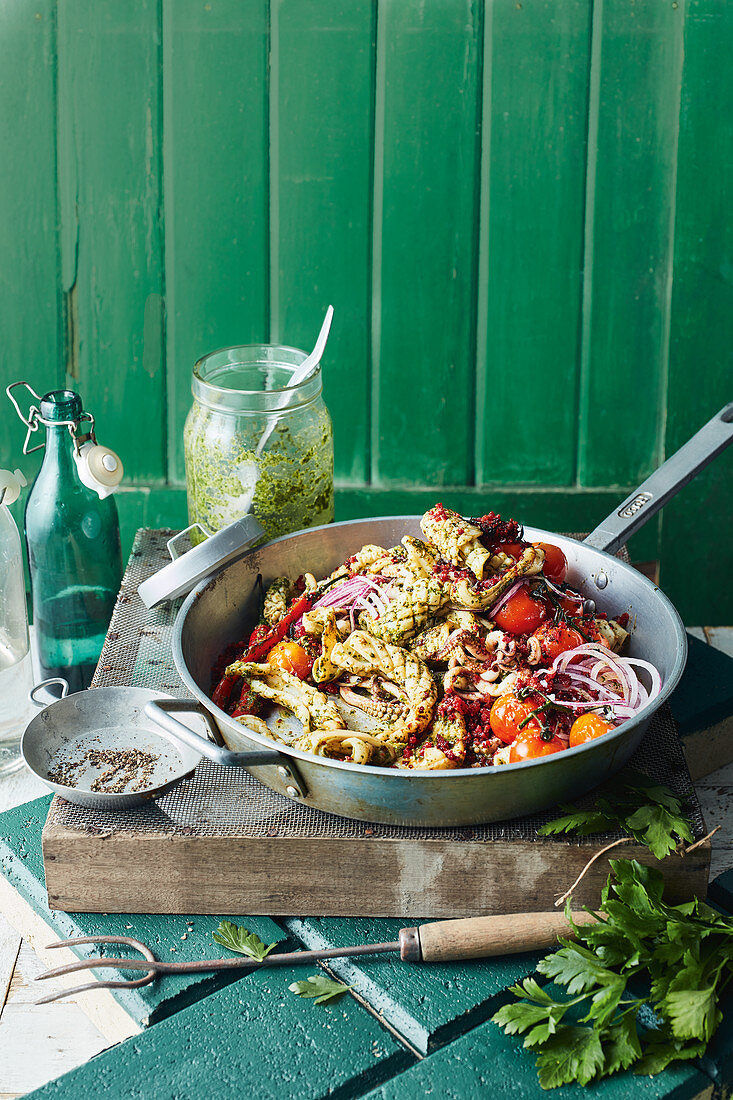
[[519, 210]]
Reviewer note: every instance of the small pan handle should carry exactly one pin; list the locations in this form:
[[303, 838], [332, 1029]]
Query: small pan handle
[[161, 712], [52, 696], [664, 483]]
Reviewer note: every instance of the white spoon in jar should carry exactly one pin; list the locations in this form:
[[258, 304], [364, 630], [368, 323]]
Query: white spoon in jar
[[299, 375]]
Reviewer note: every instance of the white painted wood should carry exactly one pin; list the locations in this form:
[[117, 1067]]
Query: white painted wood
[[9, 948], [721, 637], [105, 1013], [40, 1042], [697, 632]]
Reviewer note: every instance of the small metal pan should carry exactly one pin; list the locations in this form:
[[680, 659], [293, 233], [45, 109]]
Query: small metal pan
[[81, 747]]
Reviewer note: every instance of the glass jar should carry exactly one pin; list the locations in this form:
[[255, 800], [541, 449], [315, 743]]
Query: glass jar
[[253, 442]]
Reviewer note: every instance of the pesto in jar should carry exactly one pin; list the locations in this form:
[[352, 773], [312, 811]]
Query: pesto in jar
[[237, 393]]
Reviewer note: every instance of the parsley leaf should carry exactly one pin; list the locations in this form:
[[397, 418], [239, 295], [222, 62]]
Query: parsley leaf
[[573, 1054], [635, 804], [319, 987], [638, 989], [235, 938]]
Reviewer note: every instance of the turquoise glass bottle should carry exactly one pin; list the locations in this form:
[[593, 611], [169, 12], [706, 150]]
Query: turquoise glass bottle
[[74, 554]]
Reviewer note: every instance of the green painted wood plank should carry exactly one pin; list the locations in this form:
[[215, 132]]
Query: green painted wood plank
[[215, 87], [424, 251], [253, 1038], [555, 509], [721, 890], [634, 115], [146, 507], [701, 359], [702, 706], [28, 242], [486, 1062], [320, 191], [110, 215], [428, 1004], [536, 62], [21, 863]]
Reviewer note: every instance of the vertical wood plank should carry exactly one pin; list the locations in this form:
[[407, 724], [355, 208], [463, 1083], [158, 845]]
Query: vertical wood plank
[[634, 112], [215, 88], [536, 63], [425, 206], [321, 123], [110, 212], [28, 241], [701, 355]]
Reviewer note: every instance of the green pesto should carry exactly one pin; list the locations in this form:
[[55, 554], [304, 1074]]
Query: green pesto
[[292, 479]]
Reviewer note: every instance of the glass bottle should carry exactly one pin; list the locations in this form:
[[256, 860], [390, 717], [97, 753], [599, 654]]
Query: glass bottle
[[255, 443], [74, 554], [16, 675]]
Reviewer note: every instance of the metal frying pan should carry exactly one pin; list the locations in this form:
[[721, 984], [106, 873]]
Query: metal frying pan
[[223, 608], [82, 746]]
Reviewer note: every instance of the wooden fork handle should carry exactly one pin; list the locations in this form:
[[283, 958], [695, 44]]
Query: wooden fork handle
[[482, 937]]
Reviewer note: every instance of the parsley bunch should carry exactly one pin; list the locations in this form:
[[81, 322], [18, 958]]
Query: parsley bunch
[[635, 804], [643, 963]]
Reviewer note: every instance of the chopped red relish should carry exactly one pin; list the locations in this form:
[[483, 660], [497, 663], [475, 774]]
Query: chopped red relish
[[495, 529]]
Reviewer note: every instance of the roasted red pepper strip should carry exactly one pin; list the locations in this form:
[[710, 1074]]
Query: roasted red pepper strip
[[221, 695], [260, 649], [223, 690], [248, 702]]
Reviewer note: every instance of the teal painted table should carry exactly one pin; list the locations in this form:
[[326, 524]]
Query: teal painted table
[[403, 1031]]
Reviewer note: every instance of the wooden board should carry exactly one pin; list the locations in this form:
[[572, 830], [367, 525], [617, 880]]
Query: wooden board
[[429, 878]]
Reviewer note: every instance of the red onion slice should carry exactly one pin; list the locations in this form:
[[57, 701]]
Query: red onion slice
[[503, 599], [595, 665]]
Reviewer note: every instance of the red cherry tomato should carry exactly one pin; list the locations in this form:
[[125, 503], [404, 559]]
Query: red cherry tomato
[[532, 747], [508, 712], [292, 658], [588, 727], [570, 605], [556, 638], [556, 564], [521, 614], [511, 549]]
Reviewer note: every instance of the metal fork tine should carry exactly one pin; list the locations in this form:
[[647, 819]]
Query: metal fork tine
[[101, 963], [98, 964], [89, 985]]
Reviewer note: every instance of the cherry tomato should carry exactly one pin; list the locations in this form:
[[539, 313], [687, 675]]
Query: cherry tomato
[[532, 746], [570, 605], [556, 564], [521, 614], [511, 549], [588, 727], [291, 657], [556, 638], [506, 714]]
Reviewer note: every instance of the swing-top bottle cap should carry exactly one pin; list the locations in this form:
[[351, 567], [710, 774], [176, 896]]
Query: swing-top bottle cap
[[203, 561], [11, 482]]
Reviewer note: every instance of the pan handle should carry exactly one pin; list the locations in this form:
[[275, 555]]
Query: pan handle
[[664, 483], [161, 712], [52, 696]]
